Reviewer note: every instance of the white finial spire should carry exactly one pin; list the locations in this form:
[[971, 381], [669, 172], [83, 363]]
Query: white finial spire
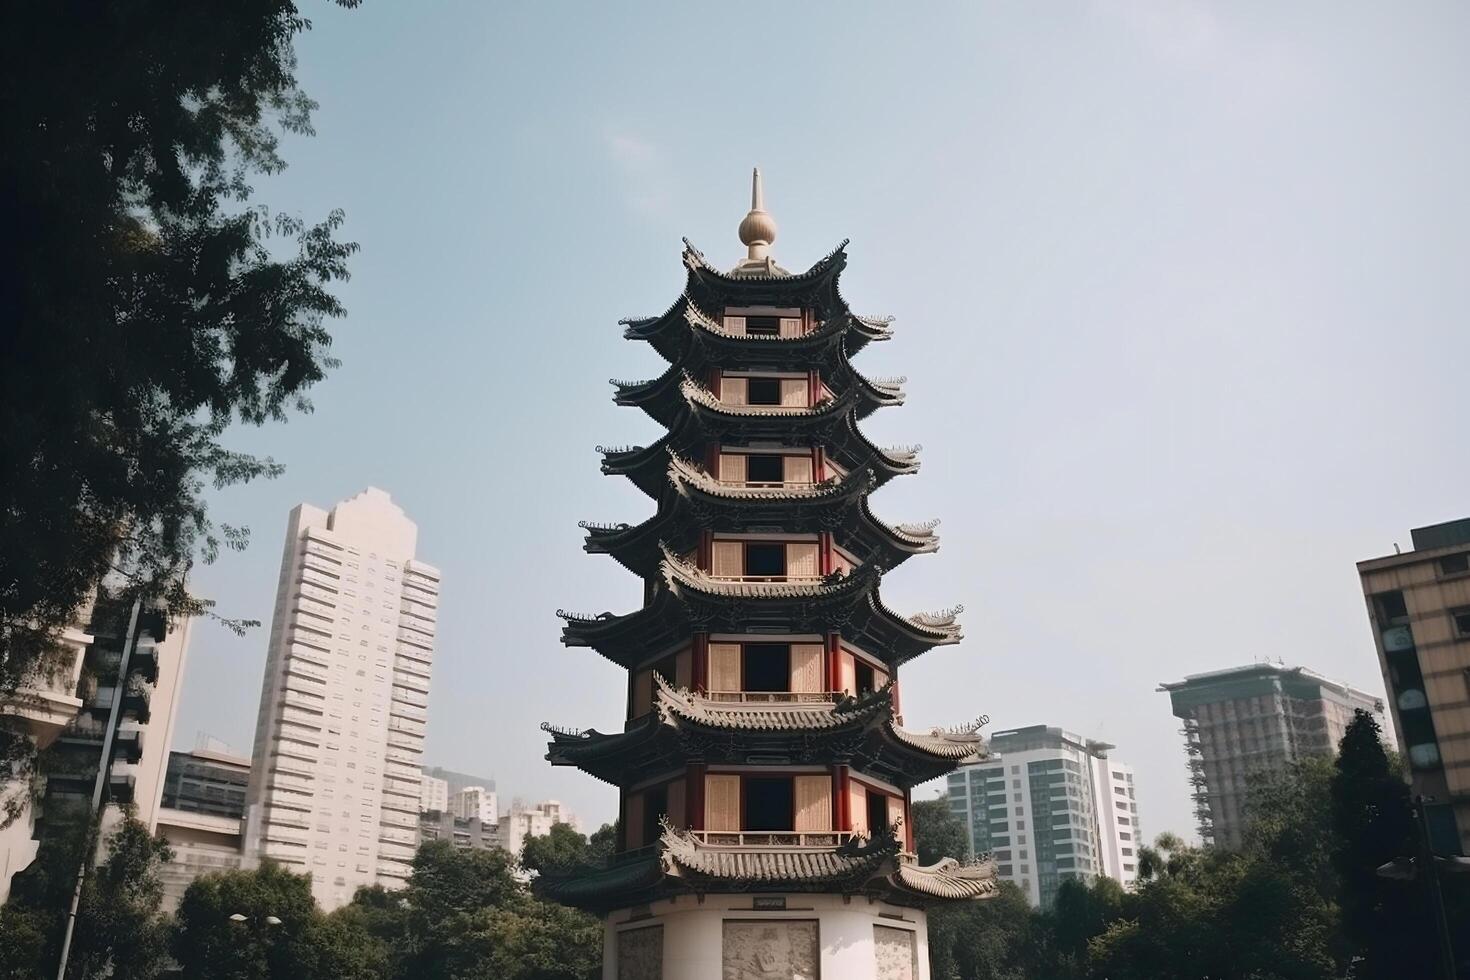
[[758, 230]]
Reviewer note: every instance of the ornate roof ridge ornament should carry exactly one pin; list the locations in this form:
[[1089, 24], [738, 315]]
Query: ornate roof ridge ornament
[[757, 234]]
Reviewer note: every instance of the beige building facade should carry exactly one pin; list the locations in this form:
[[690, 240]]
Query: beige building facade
[[1419, 607]]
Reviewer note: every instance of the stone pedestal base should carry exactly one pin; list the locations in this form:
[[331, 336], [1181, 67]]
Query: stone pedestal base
[[753, 937]]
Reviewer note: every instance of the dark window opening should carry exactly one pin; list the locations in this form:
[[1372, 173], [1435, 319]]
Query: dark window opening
[[1462, 621], [667, 667], [866, 683], [770, 803], [767, 667], [763, 326], [655, 805], [1455, 564], [1391, 606], [763, 391], [765, 559], [764, 469], [877, 813]]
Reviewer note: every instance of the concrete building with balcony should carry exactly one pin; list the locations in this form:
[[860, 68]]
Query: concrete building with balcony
[[475, 803], [465, 833], [1049, 805], [1252, 719], [524, 820], [64, 709], [433, 794], [1419, 607], [336, 777], [200, 815]]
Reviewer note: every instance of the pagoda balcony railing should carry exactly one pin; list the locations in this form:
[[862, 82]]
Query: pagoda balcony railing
[[774, 697], [819, 839], [769, 484], [766, 578]]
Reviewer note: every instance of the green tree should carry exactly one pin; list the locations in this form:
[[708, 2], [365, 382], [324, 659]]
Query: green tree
[[1387, 924], [564, 849], [149, 301], [992, 939], [210, 944], [119, 930], [466, 915], [938, 833]]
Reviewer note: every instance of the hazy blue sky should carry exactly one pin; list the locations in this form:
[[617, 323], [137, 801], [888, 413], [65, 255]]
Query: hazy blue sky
[[1180, 289]]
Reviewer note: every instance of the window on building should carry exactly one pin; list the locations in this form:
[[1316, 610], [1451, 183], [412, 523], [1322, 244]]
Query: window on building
[[864, 677], [1455, 564], [1391, 607], [762, 326], [763, 391], [1462, 620], [769, 803], [765, 558], [655, 805], [764, 469], [767, 667]]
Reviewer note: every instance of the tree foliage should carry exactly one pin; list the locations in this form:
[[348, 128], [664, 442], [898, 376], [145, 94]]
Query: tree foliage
[[148, 300], [468, 915], [564, 849], [119, 933], [305, 945]]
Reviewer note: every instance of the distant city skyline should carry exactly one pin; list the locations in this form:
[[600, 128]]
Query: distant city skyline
[[1154, 267]]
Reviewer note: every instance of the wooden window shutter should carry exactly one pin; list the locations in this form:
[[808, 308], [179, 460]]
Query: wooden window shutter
[[677, 817], [857, 808], [735, 325], [634, 827], [801, 559], [806, 668], [847, 673], [684, 669], [879, 678], [721, 801], [895, 811], [813, 803], [793, 392], [790, 326], [732, 467], [642, 693], [727, 559], [732, 391], [797, 469], [724, 666]]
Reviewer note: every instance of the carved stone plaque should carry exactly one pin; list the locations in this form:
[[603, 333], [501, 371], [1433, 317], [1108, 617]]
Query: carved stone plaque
[[773, 949], [641, 954], [896, 952]]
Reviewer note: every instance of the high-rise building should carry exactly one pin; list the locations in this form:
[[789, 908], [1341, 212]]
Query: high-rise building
[[433, 795], [475, 802], [763, 775], [211, 780], [334, 788], [1256, 718], [1049, 805], [1419, 605]]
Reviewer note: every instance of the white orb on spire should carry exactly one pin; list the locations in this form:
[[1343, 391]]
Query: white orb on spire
[[758, 228]]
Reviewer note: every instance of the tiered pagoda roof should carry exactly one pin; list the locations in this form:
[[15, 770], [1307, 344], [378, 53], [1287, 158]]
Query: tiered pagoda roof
[[683, 862], [798, 727]]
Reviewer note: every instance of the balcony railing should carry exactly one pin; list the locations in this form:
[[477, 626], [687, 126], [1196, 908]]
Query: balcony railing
[[774, 838], [774, 697], [767, 578]]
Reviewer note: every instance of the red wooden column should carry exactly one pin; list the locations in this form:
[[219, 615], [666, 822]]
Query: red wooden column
[[834, 661], [813, 386], [699, 663], [704, 554], [819, 464], [694, 796], [844, 810], [824, 552]]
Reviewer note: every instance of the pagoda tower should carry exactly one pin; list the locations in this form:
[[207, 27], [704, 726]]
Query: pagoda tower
[[763, 771]]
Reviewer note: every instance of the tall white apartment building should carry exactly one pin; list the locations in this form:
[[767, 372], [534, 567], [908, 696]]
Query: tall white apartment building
[[335, 782], [475, 803], [1049, 805]]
